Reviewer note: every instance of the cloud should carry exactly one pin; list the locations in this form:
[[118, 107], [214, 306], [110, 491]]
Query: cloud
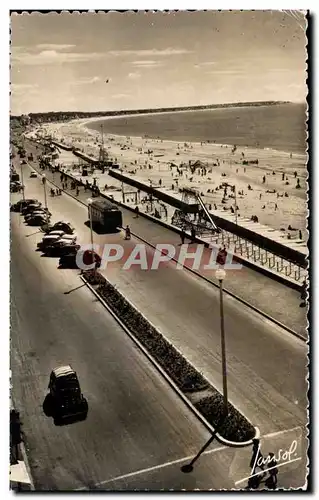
[[54, 46], [121, 96], [53, 57], [226, 72], [22, 88], [87, 81], [146, 64], [206, 63], [134, 76], [150, 52]]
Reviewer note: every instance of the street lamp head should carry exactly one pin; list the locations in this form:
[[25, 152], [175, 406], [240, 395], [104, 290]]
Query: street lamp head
[[220, 274], [90, 201], [44, 176]]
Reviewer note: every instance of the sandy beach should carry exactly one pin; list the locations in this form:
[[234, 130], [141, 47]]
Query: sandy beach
[[273, 195]]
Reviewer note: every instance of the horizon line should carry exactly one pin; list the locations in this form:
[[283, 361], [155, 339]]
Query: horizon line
[[178, 108]]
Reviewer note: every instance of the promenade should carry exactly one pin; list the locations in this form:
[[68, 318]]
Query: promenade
[[273, 298]]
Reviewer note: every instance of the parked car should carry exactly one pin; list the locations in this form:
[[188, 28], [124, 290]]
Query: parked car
[[88, 257], [60, 248], [65, 394], [15, 187], [63, 226], [36, 220], [30, 207], [35, 213], [48, 240], [21, 204]]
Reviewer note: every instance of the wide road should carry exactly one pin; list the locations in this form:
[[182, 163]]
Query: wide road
[[266, 365], [135, 420]]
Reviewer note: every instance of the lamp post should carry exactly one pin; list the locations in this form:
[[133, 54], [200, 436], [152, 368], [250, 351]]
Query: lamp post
[[235, 204], [44, 182], [22, 181], [220, 275], [90, 201]]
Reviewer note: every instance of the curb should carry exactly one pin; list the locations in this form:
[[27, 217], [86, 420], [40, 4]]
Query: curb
[[234, 296], [167, 378]]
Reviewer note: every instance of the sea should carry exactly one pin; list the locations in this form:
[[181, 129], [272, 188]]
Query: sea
[[280, 127]]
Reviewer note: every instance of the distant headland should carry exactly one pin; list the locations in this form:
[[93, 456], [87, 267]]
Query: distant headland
[[53, 116]]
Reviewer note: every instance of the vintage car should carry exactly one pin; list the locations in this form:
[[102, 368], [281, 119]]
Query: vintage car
[[60, 248], [30, 207], [15, 187], [36, 220], [35, 213], [48, 240], [65, 394], [63, 226], [21, 204], [33, 175], [87, 257]]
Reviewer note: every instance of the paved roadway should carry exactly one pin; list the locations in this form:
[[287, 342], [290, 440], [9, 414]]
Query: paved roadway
[[135, 420], [266, 367], [275, 299]]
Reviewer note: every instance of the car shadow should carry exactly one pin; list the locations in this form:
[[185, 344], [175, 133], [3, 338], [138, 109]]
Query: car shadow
[[47, 406], [101, 230], [49, 411]]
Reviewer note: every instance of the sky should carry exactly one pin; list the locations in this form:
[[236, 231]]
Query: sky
[[61, 62]]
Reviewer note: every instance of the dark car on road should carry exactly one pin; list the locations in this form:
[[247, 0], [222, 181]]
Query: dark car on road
[[60, 248], [59, 226], [87, 257], [36, 220], [15, 187], [21, 204], [31, 207], [65, 395]]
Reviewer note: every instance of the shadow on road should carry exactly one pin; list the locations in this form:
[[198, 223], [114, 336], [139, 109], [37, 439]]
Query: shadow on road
[[101, 230], [49, 411], [74, 289], [47, 406]]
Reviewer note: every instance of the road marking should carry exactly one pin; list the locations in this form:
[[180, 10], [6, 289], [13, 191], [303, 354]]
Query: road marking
[[278, 433], [156, 467], [180, 460], [266, 470]]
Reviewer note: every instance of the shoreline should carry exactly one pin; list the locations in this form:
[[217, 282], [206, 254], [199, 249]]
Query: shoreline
[[276, 202], [86, 122], [89, 131]]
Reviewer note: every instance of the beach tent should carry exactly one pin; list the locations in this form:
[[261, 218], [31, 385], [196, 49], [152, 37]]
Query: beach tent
[[199, 164]]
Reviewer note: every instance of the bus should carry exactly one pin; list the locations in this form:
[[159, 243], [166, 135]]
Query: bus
[[105, 215]]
